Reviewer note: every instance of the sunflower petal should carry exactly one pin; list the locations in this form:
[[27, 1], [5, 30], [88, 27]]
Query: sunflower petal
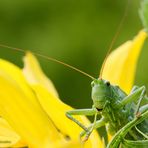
[[19, 106], [34, 73], [120, 66], [56, 110], [8, 137]]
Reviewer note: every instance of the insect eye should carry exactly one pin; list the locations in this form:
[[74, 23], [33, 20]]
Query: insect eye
[[108, 83]]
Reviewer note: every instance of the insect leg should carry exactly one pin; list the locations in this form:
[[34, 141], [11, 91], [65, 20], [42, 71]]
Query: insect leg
[[131, 97], [135, 87], [91, 129], [145, 99], [143, 108], [144, 135], [88, 112], [98, 123], [139, 101], [119, 136]]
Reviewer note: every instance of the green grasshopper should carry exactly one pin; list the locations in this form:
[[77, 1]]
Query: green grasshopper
[[119, 111]]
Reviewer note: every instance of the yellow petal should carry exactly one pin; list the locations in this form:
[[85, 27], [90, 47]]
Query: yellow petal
[[34, 73], [8, 137], [56, 110], [14, 74], [22, 110], [120, 66]]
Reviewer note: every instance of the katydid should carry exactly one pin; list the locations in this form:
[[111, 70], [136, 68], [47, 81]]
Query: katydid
[[117, 110]]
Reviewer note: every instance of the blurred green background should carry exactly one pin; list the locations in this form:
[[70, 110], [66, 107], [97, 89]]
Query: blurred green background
[[77, 32]]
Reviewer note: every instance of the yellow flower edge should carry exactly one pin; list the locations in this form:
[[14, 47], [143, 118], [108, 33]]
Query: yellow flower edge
[[55, 108], [34, 73], [20, 108], [8, 137], [120, 66]]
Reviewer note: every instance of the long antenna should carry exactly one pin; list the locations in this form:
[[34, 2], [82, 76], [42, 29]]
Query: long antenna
[[49, 58], [115, 37]]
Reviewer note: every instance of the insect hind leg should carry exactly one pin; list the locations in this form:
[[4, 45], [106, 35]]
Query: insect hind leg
[[88, 112], [143, 93]]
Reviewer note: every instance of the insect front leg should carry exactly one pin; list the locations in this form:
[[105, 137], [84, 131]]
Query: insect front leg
[[91, 129], [95, 125], [87, 112]]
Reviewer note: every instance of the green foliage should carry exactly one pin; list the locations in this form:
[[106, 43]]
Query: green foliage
[[144, 13]]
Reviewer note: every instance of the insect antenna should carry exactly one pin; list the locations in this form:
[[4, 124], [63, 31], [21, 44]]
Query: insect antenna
[[49, 58], [115, 37]]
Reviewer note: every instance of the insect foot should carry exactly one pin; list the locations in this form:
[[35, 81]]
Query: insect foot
[[86, 138], [138, 114], [86, 133]]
